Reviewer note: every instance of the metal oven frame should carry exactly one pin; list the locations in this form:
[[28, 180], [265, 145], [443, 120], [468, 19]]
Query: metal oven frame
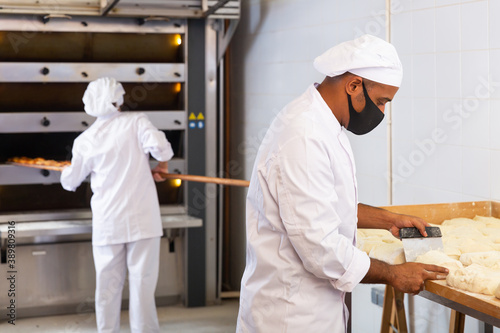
[[55, 246]]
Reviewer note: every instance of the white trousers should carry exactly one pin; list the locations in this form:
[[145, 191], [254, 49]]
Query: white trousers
[[142, 258]]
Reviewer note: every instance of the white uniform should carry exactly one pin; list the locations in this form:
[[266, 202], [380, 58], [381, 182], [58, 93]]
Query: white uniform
[[301, 225], [126, 220]]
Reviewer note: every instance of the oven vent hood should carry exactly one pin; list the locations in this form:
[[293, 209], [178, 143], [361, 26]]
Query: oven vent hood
[[152, 9]]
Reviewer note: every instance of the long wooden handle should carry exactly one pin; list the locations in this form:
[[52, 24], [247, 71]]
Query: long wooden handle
[[205, 179], [194, 178]]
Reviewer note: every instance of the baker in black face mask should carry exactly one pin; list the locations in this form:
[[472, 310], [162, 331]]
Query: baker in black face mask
[[302, 206]]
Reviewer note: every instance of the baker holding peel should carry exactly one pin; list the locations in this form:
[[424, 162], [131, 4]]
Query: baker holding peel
[[302, 205], [126, 220]]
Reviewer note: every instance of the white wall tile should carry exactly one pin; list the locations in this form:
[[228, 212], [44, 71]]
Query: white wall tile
[[447, 76], [424, 30], [495, 124], [494, 70], [406, 89], [327, 11], [399, 6], [423, 157], [495, 175], [448, 28], [424, 118], [474, 76], [370, 154], [420, 4], [449, 120], [424, 68], [476, 172], [476, 125], [494, 23], [370, 8], [403, 194], [372, 190], [404, 162], [449, 168], [401, 32], [402, 119], [447, 2], [474, 25]]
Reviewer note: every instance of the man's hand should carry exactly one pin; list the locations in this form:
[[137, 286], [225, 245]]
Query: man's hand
[[407, 221], [411, 276], [378, 218], [407, 278], [161, 167]]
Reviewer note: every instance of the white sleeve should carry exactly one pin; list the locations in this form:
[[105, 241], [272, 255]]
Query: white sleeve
[[307, 199], [73, 175], [153, 141]]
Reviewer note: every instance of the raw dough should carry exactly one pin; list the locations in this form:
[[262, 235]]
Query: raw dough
[[391, 253], [475, 278], [471, 252], [440, 259], [489, 259]]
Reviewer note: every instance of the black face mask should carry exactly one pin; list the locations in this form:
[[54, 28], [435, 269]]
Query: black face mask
[[365, 121]]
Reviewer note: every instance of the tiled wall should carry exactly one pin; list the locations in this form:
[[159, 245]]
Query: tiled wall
[[446, 115], [445, 118]]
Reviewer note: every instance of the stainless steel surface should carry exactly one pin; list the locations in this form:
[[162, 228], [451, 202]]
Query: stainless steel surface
[[84, 226], [212, 220], [29, 23], [144, 8], [54, 246], [72, 72], [31, 122], [461, 308], [59, 278], [414, 247]]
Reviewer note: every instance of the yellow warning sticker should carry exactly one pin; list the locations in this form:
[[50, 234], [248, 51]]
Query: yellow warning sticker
[[192, 116], [200, 116]]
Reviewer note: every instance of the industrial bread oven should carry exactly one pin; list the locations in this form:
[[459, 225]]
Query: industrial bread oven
[[45, 232]]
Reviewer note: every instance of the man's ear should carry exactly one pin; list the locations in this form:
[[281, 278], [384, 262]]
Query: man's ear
[[354, 85]]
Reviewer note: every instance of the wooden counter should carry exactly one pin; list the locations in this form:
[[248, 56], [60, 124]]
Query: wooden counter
[[482, 307]]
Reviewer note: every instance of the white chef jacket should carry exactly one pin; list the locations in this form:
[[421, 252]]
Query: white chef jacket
[[115, 152], [301, 225]]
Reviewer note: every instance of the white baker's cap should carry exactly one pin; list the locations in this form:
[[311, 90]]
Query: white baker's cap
[[100, 96], [367, 56]]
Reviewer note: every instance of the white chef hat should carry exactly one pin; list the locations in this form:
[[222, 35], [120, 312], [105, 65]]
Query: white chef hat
[[367, 56], [100, 96]]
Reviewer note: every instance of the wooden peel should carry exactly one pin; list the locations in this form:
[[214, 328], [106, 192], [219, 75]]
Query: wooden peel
[[205, 179], [193, 178], [38, 166]]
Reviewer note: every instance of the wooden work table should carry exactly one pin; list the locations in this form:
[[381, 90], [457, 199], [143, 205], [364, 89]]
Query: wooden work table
[[482, 307]]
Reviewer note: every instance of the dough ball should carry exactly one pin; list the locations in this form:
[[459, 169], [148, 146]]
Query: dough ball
[[489, 259], [475, 278], [439, 258], [464, 222], [391, 253], [488, 220]]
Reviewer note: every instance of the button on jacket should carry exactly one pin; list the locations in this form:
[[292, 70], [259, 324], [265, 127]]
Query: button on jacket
[[115, 152], [301, 225]]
